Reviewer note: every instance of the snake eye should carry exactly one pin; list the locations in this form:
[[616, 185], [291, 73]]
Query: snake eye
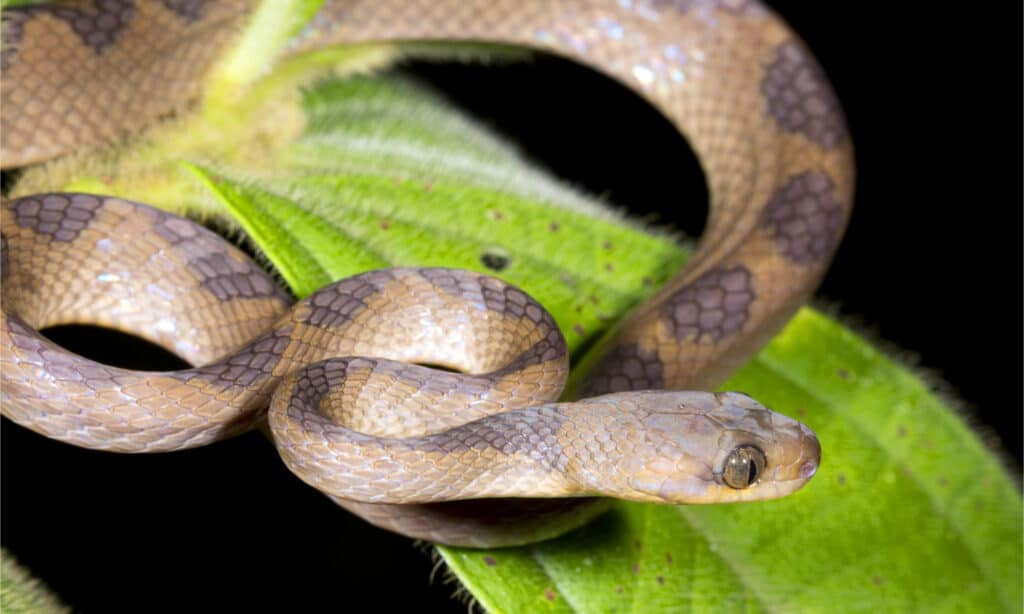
[[743, 467]]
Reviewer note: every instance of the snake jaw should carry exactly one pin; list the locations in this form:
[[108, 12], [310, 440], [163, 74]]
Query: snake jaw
[[664, 480], [794, 455]]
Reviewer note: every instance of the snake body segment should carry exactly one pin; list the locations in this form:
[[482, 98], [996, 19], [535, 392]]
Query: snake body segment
[[364, 425]]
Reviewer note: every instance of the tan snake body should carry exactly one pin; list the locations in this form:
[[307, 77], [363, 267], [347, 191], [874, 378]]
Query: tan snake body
[[730, 75]]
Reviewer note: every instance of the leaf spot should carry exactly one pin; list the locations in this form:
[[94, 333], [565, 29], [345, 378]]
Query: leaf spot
[[495, 261]]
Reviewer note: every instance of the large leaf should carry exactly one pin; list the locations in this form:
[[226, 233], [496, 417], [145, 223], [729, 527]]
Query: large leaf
[[908, 513], [909, 510], [20, 592]]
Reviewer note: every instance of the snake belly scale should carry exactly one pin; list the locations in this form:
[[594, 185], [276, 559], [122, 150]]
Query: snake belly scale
[[428, 453]]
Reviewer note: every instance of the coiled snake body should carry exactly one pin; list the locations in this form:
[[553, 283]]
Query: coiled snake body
[[350, 412]]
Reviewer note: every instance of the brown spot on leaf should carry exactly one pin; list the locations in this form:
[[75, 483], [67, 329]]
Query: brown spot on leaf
[[495, 261]]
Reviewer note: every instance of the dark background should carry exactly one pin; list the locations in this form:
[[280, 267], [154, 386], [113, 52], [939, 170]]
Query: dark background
[[931, 263]]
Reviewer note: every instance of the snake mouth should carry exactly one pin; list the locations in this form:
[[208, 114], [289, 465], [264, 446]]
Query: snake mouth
[[793, 476]]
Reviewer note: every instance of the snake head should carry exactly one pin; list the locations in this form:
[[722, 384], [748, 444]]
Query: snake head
[[696, 447]]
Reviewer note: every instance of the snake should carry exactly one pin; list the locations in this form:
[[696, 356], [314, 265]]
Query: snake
[[482, 451]]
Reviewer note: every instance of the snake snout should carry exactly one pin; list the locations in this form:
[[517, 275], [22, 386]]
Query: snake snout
[[810, 453], [797, 456]]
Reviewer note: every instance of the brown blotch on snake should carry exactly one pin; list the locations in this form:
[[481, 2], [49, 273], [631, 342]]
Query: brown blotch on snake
[[804, 217], [98, 28], [59, 216], [800, 98], [628, 367], [189, 10], [221, 270], [727, 73], [340, 303], [712, 307]]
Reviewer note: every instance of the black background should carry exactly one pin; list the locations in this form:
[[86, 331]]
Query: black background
[[931, 263]]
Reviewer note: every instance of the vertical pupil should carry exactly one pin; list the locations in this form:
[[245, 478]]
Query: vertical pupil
[[743, 466]]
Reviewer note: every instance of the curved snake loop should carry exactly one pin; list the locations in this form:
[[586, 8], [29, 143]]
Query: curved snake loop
[[335, 367]]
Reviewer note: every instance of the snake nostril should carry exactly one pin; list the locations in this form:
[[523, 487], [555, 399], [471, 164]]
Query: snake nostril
[[113, 347], [808, 469]]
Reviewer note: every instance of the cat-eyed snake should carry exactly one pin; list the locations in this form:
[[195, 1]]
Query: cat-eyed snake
[[334, 367]]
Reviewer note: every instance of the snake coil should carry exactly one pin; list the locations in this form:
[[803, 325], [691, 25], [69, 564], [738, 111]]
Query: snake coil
[[349, 410]]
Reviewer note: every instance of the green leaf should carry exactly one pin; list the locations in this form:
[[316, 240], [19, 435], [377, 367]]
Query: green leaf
[[908, 512], [21, 592]]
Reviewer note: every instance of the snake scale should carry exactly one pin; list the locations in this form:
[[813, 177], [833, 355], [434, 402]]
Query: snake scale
[[430, 453]]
